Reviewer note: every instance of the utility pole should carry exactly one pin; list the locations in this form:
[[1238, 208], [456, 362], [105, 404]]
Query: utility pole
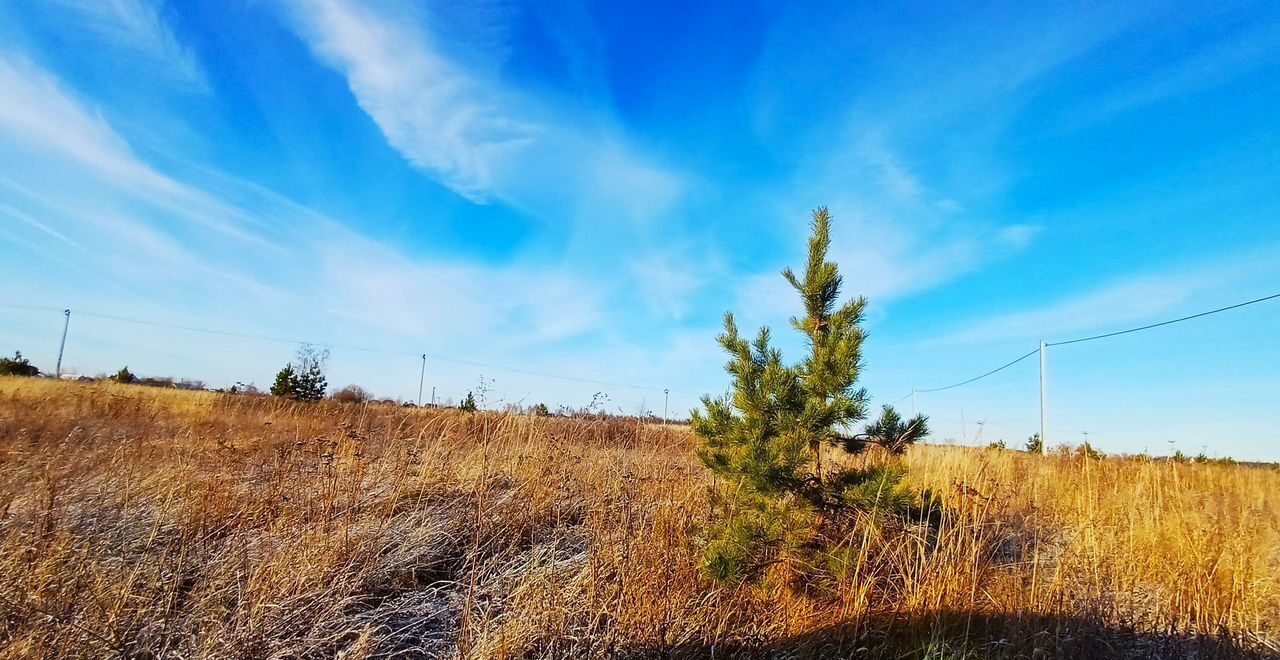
[[422, 377], [65, 324], [433, 396], [666, 396], [1044, 436], [913, 402]]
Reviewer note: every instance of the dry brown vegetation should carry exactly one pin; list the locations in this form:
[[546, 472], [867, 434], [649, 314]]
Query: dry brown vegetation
[[152, 523]]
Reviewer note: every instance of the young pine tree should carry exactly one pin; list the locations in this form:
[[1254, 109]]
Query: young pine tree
[[306, 381], [124, 376], [310, 382], [283, 385], [775, 501]]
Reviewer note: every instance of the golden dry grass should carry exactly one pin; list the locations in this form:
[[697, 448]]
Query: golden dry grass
[[154, 523]]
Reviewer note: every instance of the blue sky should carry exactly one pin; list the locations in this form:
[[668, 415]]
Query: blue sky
[[584, 189]]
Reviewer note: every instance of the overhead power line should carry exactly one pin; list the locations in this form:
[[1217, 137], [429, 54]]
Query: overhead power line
[[1169, 322], [34, 308], [1102, 336], [976, 378], [345, 347]]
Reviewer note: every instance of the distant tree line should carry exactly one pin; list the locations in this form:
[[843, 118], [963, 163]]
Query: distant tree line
[[304, 379]]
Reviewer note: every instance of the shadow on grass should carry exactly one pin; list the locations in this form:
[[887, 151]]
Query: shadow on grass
[[974, 636]]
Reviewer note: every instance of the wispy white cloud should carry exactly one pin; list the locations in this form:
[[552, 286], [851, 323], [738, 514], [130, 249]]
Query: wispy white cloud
[[126, 210], [30, 221], [70, 181], [910, 161], [893, 233], [482, 140], [1120, 302], [1215, 64], [569, 26], [667, 281], [136, 33], [449, 303], [51, 119], [882, 263], [54, 123]]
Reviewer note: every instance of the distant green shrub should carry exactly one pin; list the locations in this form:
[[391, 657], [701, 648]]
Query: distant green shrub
[[17, 366]]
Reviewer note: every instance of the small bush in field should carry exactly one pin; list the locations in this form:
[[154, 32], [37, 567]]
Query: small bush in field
[[541, 410], [776, 502], [468, 404], [352, 394]]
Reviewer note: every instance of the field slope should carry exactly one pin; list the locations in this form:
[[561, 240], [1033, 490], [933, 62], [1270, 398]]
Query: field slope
[[154, 523]]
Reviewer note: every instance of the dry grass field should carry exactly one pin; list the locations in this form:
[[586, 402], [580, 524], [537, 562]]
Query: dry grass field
[[151, 523]]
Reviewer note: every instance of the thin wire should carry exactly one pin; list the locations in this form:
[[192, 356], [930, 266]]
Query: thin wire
[[976, 378], [1104, 336], [33, 308], [345, 347], [224, 333], [902, 399], [1156, 325], [555, 376]]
